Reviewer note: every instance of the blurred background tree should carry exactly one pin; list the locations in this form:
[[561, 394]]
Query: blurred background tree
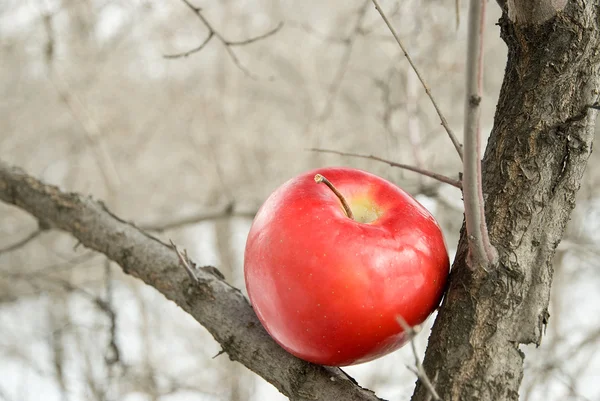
[[189, 147]]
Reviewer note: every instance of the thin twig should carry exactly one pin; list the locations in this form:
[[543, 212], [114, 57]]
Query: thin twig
[[368, 30], [185, 262], [419, 371], [254, 38], [480, 250], [221, 352], [22, 242], [192, 50], [430, 174], [113, 352], [228, 44], [453, 138], [222, 213]]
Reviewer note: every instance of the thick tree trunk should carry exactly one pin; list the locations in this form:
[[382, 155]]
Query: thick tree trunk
[[534, 162]]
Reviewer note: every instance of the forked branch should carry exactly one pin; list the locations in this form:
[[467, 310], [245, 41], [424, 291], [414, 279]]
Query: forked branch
[[213, 33]]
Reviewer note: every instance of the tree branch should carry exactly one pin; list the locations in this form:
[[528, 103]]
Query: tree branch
[[223, 213], [451, 135], [22, 242], [481, 251], [219, 307], [532, 170], [213, 33], [427, 173]]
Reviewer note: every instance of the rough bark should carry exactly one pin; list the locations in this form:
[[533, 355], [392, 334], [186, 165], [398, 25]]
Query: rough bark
[[533, 165], [219, 307]]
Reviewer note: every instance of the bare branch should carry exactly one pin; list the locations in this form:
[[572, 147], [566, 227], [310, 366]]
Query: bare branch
[[419, 370], [451, 135], [213, 33], [435, 176], [255, 38], [193, 50], [219, 307], [113, 353], [22, 242], [481, 251], [222, 213], [369, 29]]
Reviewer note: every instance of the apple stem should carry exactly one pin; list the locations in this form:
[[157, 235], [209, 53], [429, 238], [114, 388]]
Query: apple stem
[[320, 179]]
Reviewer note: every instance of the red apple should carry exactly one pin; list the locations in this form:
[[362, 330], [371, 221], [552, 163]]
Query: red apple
[[327, 287]]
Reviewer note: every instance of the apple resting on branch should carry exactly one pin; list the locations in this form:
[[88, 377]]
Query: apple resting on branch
[[329, 268]]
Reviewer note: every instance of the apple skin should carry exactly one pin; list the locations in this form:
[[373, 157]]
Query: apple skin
[[327, 288]]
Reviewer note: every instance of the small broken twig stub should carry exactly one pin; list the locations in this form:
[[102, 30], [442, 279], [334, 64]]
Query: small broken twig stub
[[185, 262]]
